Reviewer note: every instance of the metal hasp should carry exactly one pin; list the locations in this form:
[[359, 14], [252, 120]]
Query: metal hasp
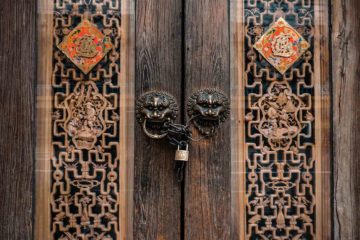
[[207, 108], [155, 110]]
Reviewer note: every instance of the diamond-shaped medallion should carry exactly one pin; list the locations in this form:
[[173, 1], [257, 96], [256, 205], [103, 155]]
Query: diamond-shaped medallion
[[85, 46], [281, 45]]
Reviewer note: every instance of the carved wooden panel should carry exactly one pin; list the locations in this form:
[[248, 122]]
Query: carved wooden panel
[[281, 112], [84, 156]]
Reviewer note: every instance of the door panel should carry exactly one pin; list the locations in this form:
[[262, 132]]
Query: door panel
[[157, 193], [17, 97], [265, 174], [345, 47], [84, 104], [281, 130], [207, 182]]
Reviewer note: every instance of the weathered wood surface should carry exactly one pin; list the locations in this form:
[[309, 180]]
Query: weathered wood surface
[[157, 194], [323, 119], [207, 183], [42, 225], [17, 81], [346, 117]]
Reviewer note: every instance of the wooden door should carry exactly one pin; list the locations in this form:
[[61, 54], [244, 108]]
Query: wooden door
[[76, 164]]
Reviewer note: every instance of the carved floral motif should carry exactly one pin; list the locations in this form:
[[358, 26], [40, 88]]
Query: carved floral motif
[[280, 115], [85, 122]]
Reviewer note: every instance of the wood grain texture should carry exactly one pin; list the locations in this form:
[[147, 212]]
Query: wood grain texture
[[323, 120], [157, 194], [127, 118], [346, 115], [17, 81], [42, 219], [238, 172], [207, 183]]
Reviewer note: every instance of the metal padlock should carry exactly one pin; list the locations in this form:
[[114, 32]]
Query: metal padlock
[[182, 155]]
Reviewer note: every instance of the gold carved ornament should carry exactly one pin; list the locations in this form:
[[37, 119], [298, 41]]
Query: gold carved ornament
[[279, 114], [86, 90]]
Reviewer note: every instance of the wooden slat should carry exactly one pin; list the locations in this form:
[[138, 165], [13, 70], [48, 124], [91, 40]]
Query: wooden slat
[[323, 120], [238, 167], [157, 194], [207, 183], [43, 120], [17, 81], [346, 115], [127, 118]]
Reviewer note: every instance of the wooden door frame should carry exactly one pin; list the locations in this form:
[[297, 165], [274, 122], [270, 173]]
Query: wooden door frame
[[345, 99], [17, 95]]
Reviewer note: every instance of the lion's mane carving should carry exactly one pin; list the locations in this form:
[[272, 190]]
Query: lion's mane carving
[[156, 107], [208, 108]]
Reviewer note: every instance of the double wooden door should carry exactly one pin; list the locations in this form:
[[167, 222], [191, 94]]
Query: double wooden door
[[265, 172]]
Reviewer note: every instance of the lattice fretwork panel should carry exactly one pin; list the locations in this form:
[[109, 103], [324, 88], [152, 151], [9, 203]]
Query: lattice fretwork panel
[[85, 126], [279, 108]]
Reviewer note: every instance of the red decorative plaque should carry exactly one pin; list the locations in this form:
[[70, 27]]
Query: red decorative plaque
[[281, 45], [85, 46]]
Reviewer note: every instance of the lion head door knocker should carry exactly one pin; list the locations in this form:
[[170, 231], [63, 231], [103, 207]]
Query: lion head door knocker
[[154, 110], [85, 122], [207, 108]]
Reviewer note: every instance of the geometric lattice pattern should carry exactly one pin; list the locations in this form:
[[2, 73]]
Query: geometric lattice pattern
[[279, 131], [85, 136]]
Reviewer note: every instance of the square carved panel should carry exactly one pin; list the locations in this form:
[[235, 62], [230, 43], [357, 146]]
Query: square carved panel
[[85, 46], [281, 45]]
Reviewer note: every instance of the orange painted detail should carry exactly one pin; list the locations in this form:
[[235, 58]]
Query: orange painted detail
[[85, 46], [281, 45]]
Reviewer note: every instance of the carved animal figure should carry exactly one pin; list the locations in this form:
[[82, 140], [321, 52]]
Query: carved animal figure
[[156, 108], [208, 108]]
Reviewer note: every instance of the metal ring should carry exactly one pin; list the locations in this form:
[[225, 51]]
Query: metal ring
[[151, 135]]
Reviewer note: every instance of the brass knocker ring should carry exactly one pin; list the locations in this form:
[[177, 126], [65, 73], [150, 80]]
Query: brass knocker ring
[[155, 108], [152, 135]]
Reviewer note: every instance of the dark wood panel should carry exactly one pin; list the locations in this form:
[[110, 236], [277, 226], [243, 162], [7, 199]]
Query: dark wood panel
[[207, 182], [157, 194], [17, 81], [346, 116]]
